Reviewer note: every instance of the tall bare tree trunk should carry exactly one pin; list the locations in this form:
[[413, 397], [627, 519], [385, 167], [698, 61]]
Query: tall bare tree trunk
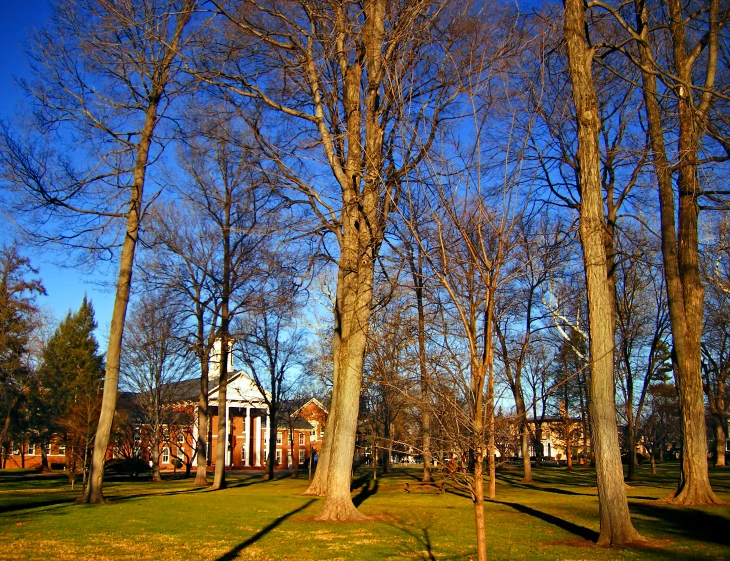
[[221, 455], [478, 499], [318, 486], [221, 450], [720, 441], [425, 406], [273, 423], [201, 446], [490, 416], [360, 238], [356, 273], [94, 492], [615, 522], [680, 248]]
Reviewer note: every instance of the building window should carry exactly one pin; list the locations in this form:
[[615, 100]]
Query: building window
[[278, 438], [301, 439], [16, 449], [278, 457], [165, 455], [31, 449], [243, 453], [301, 456], [321, 433], [48, 449], [62, 450]]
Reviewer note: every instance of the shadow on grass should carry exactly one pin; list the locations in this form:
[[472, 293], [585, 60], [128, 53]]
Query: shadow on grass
[[38, 504], [688, 523], [253, 480], [580, 531], [424, 549], [233, 553], [366, 491]]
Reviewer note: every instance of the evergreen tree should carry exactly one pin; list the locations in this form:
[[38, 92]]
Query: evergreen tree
[[68, 390], [17, 312]]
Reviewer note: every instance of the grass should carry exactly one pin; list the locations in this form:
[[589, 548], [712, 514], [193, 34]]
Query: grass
[[554, 518]]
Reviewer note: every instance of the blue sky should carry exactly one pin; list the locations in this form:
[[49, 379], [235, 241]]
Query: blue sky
[[65, 286]]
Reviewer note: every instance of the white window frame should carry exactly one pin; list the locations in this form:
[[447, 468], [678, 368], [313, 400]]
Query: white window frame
[[279, 438], [301, 457], [61, 449], [31, 449], [278, 457], [48, 448], [15, 449], [301, 439], [165, 455]]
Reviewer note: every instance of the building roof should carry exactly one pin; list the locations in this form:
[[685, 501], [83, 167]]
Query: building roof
[[298, 424], [316, 402]]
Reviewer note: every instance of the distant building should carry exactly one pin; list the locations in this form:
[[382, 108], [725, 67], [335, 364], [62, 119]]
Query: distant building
[[245, 414]]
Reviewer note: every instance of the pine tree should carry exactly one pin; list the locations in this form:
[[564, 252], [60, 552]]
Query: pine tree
[[17, 311], [70, 377]]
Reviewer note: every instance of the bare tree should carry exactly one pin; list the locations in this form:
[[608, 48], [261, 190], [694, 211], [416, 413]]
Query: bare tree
[[518, 314], [366, 84], [678, 50], [154, 360], [105, 76], [642, 325], [225, 182], [615, 521], [183, 262], [716, 336], [271, 343]]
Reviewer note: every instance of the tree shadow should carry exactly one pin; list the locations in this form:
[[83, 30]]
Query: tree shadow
[[424, 546], [423, 539], [233, 553], [686, 522], [580, 531], [366, 491], [255, 480], [38, 504]]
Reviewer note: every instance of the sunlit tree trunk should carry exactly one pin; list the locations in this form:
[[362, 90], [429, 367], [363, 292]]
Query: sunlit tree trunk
[[94, 493], [680, 244], [615, 522]]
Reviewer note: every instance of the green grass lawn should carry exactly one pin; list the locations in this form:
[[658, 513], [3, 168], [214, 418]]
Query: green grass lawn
[[554, 518]]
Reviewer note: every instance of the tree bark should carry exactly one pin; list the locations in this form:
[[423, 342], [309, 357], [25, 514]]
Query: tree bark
[[478, 500], [680, 248], [94, 492], [318, 486], [201, 446], [720, 441], [221, 455], [360, 238], [416, 264], [615, 522]]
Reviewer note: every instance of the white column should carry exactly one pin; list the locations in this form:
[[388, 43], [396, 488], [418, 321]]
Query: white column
[[267, 436], [247, 440], [228, 455], [257, 440]]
